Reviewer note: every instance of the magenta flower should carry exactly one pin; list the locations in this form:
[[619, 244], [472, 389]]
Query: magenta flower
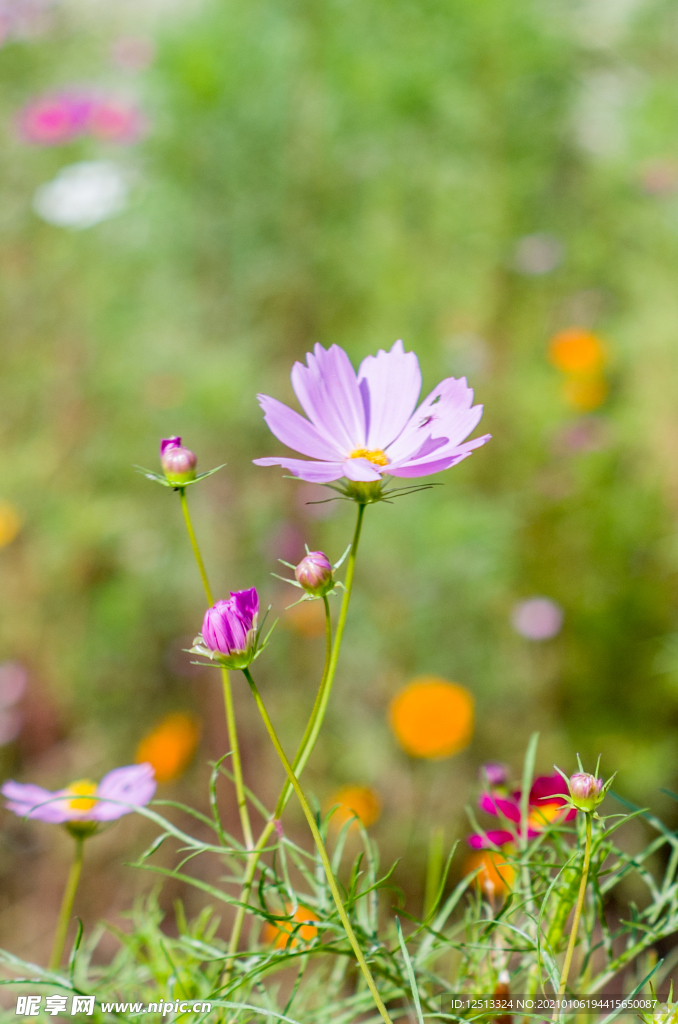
[[58, 118], [364, 426], [55, 118], [118, 793], [229, 630], [547, 804]]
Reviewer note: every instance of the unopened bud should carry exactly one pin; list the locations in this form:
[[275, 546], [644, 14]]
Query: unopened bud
[[494, 774], [585, 791], [178, 462], [314, 572]]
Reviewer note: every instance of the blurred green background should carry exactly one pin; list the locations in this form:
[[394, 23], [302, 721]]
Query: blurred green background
[[473, 176]]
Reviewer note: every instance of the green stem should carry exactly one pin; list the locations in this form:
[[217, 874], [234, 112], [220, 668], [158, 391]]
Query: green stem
[[194, 545], [577, 914], [282, 800], [322, 852], [308, 739], [228, 695], [66, 907]]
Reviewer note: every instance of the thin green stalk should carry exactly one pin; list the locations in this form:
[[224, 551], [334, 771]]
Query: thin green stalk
[[309, 738], [322, 852], [194, 545], [241, 798], [325, 695], [575, 921], [66, 906], [253, 861]]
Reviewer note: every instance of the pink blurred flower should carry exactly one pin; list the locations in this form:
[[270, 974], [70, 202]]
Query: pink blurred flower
[[364, 426], [537, 618], [118, 793], [115, 121], [55, 118], [60, 117], [545, 807], [132, 53]]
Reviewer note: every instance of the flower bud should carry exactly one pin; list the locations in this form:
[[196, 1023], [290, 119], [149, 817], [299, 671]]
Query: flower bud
[[230, 628], [585, 791], [178, 462], [314, 572], [494, 774]]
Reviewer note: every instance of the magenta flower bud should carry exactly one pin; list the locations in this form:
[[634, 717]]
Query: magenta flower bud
[[494, 774], [229, 629], [178, 462], [585, 791], [314, 572]]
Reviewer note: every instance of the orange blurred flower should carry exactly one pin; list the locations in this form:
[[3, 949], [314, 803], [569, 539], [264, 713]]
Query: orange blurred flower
[[10, 523], [432, 718], [306, 618], [576, 350], [279, 933], [170, 746], [496, 875], [360, 801], [585, 393]]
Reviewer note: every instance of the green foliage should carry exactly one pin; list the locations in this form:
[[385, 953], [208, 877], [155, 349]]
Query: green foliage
[[473, 939]]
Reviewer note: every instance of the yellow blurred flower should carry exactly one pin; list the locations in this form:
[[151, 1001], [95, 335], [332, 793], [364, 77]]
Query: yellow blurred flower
[[170, 746], [585, 393], [360, 801], [496, 875], [306, 618], [10, 523], [432, 718], [279, 933], [577, 351]]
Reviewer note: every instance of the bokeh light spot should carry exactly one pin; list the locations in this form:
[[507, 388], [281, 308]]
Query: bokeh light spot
[[432, 718], [280, 933], [585, 393], [170, 746], [577, 350], [360, 801], [537, 618], [10, 523]]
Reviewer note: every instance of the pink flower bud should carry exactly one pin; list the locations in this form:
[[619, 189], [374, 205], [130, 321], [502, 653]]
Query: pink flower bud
[[585, 791], [230, 628], [314, 572], [494, 774], [178, 462]]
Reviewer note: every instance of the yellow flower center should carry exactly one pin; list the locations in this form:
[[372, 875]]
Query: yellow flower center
[[374, 455], [82, 790]]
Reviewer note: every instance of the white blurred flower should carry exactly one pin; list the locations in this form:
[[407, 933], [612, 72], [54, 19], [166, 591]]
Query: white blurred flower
[[83, 194], [13, 679], [601, 107], [537, 618], [537, 254], [10, 726]]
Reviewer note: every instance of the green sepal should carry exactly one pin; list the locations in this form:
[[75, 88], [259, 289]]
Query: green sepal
[[160, 478]]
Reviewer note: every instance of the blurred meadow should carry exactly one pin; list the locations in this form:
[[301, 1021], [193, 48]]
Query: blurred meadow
[[193, 194]]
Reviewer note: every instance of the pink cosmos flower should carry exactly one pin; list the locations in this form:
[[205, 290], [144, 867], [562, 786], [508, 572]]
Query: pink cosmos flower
[[56, 118], [115, 121], [118, 793], [546, 805], [364, 426]]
